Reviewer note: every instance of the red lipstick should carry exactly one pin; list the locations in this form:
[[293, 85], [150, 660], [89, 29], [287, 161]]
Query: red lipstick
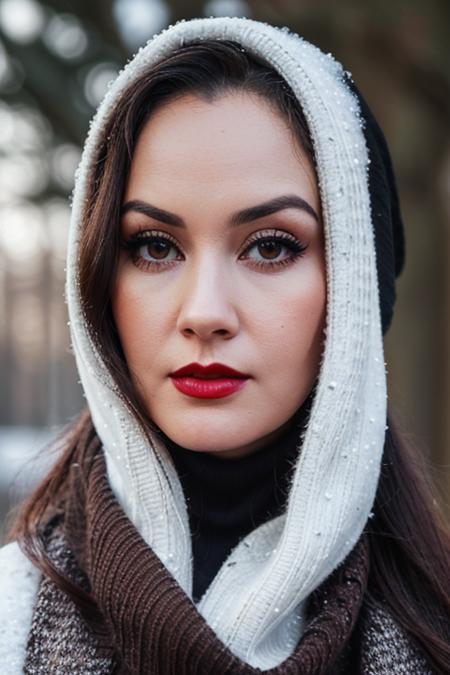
[[213, 381]]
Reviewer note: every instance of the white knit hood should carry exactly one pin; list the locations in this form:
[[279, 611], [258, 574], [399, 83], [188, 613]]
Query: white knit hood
[[255, 605]]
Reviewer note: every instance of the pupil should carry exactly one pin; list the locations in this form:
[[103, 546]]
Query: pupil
[[272, 248], [158, 249]]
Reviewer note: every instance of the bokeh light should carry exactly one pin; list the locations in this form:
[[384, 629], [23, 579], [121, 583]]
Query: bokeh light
[[97, 81], [21, 20], [23, 175], [138, 20], [22, 234], [64, 159], [65, 36]]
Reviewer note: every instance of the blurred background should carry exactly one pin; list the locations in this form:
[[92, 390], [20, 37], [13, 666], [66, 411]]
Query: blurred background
[[56, 59]]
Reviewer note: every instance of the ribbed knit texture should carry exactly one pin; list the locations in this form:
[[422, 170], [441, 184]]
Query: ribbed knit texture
[[256, 601], [151, 627]]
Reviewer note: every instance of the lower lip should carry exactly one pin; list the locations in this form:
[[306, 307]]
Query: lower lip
[[195, 386]]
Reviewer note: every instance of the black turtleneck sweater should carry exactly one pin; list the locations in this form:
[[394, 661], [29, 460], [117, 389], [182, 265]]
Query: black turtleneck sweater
[[228, 498]]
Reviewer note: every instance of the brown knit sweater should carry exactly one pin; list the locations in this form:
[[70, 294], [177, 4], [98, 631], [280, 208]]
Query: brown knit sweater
[[148, 625]]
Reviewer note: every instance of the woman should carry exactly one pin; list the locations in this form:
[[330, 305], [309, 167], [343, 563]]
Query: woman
[[233, 500]]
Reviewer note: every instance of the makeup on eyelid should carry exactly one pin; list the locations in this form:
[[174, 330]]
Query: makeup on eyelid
[[143, 239]]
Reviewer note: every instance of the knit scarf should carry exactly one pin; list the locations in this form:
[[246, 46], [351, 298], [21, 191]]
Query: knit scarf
[[150, 625]]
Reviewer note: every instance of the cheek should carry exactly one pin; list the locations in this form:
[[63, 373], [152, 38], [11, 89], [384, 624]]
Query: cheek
[[294, 319], [302, 325], [135, 314]]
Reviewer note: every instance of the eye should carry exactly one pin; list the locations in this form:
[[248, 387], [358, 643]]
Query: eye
[[152, 249], [273, 248], [158, 249], [269, 249]]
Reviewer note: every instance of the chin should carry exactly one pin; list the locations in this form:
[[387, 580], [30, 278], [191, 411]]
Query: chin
[[210, 442], [216, 439], [221, 428]]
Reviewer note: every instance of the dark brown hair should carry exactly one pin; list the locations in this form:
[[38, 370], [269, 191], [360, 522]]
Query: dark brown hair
[[410, 544]]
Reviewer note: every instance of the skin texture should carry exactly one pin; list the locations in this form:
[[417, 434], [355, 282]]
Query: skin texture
[[206, 299]]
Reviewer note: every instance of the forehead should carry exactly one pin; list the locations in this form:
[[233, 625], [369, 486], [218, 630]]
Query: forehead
[[237, 139]]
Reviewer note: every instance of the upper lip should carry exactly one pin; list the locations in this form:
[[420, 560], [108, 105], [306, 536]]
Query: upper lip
[[197, 370]]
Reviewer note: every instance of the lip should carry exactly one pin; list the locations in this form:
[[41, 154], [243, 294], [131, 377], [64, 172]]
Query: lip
[[219, 369], [212, 381]]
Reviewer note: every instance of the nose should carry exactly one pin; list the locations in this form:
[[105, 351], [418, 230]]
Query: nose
[[207, 307]]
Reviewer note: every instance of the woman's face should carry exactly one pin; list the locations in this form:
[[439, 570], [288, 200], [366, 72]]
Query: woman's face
[[222, 262]]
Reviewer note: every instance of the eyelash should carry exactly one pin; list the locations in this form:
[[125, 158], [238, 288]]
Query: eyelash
[[146, 237]]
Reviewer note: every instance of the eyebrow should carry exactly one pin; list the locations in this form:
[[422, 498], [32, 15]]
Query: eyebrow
[[238, 218]]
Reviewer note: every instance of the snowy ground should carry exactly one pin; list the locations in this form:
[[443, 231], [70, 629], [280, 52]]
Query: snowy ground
[[23, 461]]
